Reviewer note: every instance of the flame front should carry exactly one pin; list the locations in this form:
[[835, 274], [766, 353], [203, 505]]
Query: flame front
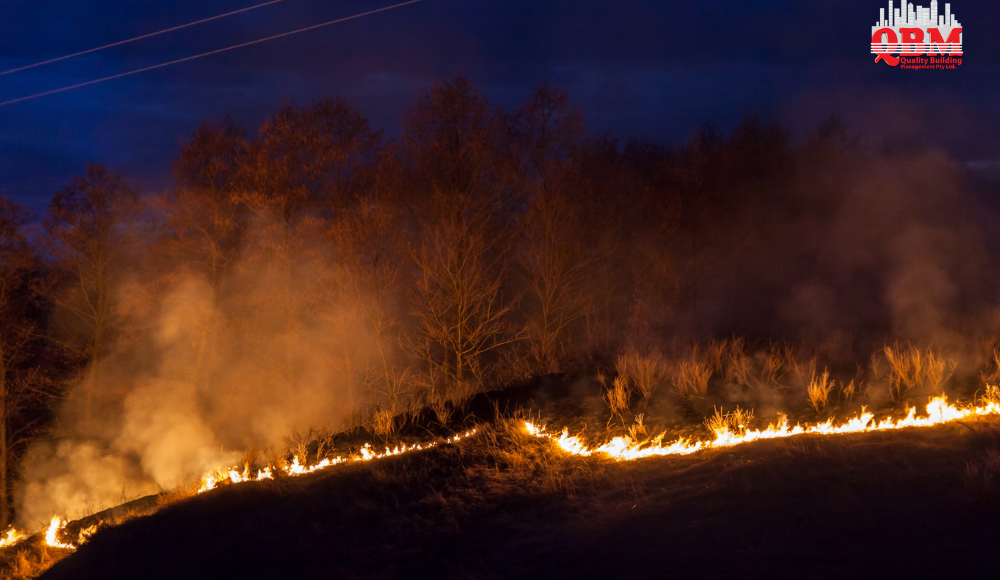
[[365, 453], [51, 535], [210, 481], [625, 448], [622, 448], [12, 537]]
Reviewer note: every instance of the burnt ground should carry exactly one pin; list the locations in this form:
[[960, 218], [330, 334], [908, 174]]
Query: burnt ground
[[902, 504]]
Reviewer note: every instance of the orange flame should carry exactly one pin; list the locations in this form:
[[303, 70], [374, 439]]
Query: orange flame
[[13, 536], [85, 534], [211, 480], [625, 448], [51, 535], [366, 453]]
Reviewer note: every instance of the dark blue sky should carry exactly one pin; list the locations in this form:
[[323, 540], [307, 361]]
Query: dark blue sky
[[650, 68]]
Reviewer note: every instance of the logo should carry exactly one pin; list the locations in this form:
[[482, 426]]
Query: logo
[[914, 37]]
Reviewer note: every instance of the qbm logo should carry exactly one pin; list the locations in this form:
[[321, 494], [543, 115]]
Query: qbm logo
[[914, 37]]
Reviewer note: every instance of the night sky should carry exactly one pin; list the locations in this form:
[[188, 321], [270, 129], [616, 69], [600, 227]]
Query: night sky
[[647, 68]]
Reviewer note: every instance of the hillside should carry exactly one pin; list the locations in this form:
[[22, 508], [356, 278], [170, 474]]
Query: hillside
[[910, 503]]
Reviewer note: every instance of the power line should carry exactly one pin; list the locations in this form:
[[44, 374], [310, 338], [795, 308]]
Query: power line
[[51, 60], [185, 59]]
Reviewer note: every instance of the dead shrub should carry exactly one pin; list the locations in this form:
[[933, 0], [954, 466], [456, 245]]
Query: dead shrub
[[916, 371], [715, 354], [819, 390], [736, 421], [990, 375], [442, 410], [691, 379], [618, 398], [643, 372], [383, 423], [739, 366], [848, 391], [638, 432], [772, 368]]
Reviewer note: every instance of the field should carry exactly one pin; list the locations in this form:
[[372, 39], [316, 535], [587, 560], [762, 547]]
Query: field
[[917, 502]]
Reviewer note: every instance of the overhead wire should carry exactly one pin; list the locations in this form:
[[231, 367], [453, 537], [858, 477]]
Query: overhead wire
[[209, 53], [151, 34]]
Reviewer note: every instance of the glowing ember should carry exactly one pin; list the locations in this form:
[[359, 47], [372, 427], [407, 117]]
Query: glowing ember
[[85, 534], [51, 535], [625, 448]]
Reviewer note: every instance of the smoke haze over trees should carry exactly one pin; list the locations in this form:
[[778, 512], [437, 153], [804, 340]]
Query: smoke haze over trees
[[313, 273]]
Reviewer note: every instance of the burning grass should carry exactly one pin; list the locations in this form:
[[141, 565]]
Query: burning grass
[[505, 503], [912, 370], [508, 456]]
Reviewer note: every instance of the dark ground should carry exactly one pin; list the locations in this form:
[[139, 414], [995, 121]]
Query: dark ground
[[503, 505]]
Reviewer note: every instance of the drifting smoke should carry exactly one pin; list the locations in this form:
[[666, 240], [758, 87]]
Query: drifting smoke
[[269, 355], [824, 244], [73, 477], [878, 250]]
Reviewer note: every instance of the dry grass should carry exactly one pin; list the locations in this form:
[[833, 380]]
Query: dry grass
[[467, 507], [773, 367], [991, 394], [738, 369], [691, 379], [715, 355], [916, 371], [383, 423], [801, 372], [297, 443], [618, 398], [736, 421], [638, 431], [644, 373], [739, 366], [31, 562], [447, 399], [819, 391], [848, 391], [442, 409], [991, 374], [516, 462], [177, 494]]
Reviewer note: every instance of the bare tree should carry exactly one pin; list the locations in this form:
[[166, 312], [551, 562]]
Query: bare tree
[[205, 220], [91, 232], [462, 313], [372, 249], [547, 129], [553, 257], [23, 384], [463, 169], [556, 265]]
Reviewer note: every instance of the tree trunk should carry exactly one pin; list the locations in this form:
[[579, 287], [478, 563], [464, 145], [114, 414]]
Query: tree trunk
[[4, 492]]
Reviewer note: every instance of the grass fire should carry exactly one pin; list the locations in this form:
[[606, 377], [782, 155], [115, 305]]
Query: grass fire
[[499, 290]]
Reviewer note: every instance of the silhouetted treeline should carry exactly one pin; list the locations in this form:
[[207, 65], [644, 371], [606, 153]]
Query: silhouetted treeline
[[315, 270]]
